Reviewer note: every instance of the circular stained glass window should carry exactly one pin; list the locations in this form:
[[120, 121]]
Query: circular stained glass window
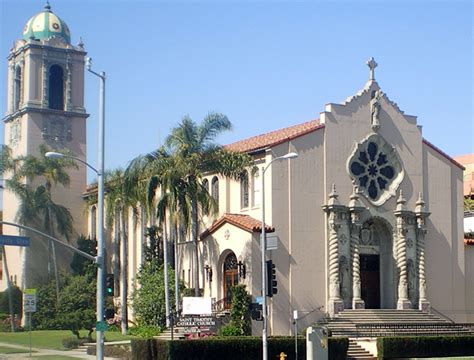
[[376, 168]]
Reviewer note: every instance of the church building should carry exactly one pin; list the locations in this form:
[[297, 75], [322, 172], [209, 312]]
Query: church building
[[369, 215]]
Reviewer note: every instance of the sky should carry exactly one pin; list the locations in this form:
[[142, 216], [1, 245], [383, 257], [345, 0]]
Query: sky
[[265, 64]]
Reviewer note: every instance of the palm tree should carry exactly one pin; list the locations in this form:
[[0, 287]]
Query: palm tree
[[178, 168], [36, 204], [119, 200]]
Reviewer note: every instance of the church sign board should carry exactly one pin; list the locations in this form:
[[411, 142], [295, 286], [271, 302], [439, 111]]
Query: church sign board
[[198, 324], [197, 316]]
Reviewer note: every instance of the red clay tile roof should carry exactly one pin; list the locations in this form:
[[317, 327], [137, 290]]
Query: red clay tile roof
[[264, 141], [244, 222]]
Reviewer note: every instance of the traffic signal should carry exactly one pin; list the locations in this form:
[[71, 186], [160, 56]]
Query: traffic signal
[[109, 314], [109, 284], [256, 311], [271, 279]]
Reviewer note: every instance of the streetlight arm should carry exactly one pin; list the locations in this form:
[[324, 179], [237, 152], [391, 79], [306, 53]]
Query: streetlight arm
[[76, 250], [56, 155]]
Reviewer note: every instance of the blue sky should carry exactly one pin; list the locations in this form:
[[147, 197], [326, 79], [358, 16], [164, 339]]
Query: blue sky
[[265, 64]]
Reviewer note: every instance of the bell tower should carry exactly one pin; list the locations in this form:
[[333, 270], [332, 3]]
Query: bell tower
[[45, 105]]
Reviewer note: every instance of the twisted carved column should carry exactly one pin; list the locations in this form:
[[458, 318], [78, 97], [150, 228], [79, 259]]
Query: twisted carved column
[[334, 281], [355, 208], [333, 208], [400, 213], [357, 302], [421, 215]]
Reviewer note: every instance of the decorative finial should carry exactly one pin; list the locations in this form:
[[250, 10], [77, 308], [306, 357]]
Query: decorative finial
[[80, 43], [354, 198], [372, 65], [47, 7], [401, 202], [420, 203], [333, 196]]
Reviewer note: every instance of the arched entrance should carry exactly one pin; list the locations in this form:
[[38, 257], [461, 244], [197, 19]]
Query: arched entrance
[[231, 278], [377, 265]]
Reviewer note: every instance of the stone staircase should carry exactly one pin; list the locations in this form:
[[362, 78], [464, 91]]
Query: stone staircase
[[389, 322], [356, 351], [166, 335]]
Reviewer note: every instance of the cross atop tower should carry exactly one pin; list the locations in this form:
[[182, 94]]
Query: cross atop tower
[[372, 65]]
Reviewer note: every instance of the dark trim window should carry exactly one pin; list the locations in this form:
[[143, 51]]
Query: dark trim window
[[215, 190], [17, 89], [56, 87], [205, 184], [244, 190]]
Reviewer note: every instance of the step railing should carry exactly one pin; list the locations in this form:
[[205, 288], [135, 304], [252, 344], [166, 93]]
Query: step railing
[[440, 314], [376, 330]]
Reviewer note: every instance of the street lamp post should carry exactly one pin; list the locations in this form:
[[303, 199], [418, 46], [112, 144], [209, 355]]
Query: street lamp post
[[100, 204], [263, 242]]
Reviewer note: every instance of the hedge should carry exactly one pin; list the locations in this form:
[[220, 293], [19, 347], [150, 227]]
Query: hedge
[[425, 346], [229, 348]]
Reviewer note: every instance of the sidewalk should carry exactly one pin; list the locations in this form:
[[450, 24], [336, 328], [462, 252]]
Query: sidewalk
[[78, 354]]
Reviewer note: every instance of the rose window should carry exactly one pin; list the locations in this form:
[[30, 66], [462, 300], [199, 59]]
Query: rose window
[[376, 168]]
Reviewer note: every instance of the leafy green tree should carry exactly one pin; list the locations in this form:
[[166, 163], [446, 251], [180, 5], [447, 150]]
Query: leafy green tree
[[79, 264], [17, 297], [45, 317], [76, 309], [468, 204], [240, 313], [148, 297]]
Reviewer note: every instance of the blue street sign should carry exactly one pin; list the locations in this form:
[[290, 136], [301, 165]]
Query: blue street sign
[[14, 240], [259, 300]]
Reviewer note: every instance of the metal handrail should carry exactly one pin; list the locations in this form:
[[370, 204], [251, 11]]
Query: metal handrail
[[429, 328], [220, 304], [442, 315]]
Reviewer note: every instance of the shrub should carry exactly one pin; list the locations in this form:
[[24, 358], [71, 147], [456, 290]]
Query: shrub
[[229, 330], [425, 346], [148, 296], [76, 308], [17, 297], [46, 308], [338, 348], [240, 313], [235, 348], [112, 351], [144, 331], [73, 342]]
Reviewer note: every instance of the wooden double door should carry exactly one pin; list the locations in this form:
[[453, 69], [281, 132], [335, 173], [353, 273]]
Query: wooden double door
[[370, 280]]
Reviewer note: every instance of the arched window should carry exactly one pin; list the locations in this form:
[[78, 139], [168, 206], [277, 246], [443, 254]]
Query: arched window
[[17, 89], [205, 184], [56, 87], [231, 278], [256, 186], [244, 190], [93, 223], [215, 190]]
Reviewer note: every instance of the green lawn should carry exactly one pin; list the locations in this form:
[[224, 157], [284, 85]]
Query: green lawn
[[50, 339], [9, 350]]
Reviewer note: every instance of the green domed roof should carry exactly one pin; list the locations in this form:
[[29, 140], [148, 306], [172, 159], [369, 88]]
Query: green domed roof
[[45, 25]]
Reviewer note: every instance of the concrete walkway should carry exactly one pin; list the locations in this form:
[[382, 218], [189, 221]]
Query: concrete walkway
[[78, 354]]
